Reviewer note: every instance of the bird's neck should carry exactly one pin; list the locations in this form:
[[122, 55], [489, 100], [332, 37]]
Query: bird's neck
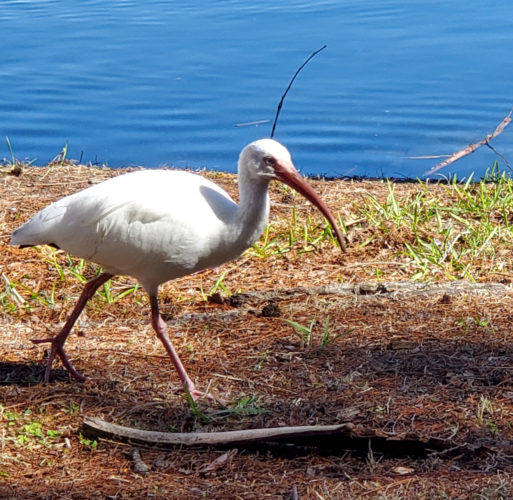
[[253, 211]]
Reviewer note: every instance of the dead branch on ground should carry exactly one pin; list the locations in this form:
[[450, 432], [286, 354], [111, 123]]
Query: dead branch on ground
[[98, 427]]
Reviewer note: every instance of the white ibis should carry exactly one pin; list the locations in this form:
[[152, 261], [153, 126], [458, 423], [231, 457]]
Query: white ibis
[[156, 225]]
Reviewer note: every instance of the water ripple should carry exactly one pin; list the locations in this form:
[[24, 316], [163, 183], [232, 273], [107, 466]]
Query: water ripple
[[163, 82]]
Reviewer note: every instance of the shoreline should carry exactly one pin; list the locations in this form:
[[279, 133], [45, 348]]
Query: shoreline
[[15, 168]]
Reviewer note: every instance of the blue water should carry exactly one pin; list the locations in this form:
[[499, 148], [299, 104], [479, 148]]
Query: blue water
[[164, 82]]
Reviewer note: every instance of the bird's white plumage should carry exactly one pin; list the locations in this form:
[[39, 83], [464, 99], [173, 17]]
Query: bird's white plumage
[[156, 225]]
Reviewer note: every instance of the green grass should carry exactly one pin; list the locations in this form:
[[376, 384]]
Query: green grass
[[12, 166], [293, 233], [462, 231], [306, 332], [110, 296], [240, 408], [464, 234], [66, 270], [10, 299]]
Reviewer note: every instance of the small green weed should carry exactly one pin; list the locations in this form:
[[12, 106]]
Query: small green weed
[[484, 407], [304, 332], [92, 444], [71, 409], [107, 293], [327, 336], [14, 165], [260, 362], [268, 246], [193, 406], [244, 406], [10, 299], [218, 285], [493, 428]]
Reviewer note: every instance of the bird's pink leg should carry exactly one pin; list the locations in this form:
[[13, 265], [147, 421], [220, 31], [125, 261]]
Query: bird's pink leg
[[160, 327], [58, 341]]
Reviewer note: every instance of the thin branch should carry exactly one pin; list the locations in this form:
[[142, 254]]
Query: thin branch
[[472, 147], [498, 154], [290, 85]]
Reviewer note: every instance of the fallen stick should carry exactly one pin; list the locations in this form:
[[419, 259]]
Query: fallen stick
[[97, 427], [472, 147]]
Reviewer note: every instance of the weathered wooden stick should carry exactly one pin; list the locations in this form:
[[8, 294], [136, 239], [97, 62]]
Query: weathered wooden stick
[[98, 427], [472, 147]]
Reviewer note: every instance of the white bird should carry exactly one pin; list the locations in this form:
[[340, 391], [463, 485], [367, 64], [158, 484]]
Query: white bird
[[157, 225]]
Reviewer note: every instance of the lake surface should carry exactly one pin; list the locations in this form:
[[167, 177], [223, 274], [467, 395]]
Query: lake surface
[[164, 82]]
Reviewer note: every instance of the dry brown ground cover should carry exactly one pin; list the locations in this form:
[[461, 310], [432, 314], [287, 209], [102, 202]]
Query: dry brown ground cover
[[424, 374]]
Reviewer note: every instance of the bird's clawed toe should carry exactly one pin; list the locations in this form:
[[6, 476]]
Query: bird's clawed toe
[[58, 350]]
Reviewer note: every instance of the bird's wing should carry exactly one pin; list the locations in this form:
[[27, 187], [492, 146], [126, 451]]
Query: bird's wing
[[130, 217], [176, 225]]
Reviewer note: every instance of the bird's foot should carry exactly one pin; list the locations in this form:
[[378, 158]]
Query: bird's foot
[[58, 350], [195, 394]]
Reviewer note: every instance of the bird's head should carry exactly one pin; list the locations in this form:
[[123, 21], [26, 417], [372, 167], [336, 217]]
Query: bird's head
[[260, 159], [266, 159]]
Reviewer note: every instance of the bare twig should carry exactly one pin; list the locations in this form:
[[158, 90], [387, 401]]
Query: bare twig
[[280, 104], [253, 123], [498, 154], [472, 147], [425, 157]]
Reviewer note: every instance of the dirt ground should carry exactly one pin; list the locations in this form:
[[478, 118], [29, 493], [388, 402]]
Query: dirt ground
[[422, 372]]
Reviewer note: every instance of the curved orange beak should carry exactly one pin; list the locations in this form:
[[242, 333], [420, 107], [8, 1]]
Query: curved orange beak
[[287, 173]]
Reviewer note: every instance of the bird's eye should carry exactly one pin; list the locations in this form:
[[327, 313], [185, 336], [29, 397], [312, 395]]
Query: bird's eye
[[269, 160]]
